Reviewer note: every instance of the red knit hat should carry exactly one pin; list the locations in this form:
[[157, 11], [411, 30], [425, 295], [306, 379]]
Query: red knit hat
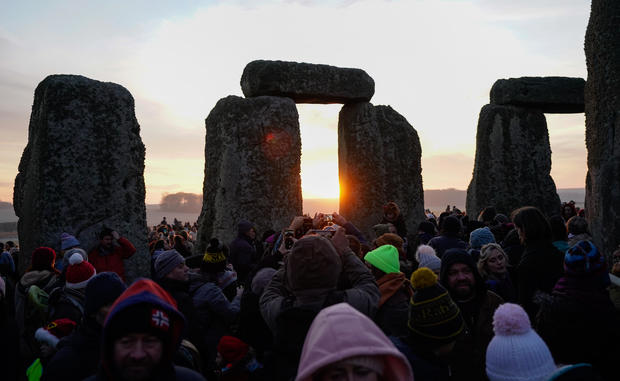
[[54, 331], [232, 349], [43, 258], [79, 272]]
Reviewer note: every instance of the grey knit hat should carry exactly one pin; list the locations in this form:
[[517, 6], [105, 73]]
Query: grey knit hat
[[166, 262]]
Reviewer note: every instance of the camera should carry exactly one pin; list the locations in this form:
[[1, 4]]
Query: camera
[[288, 239]]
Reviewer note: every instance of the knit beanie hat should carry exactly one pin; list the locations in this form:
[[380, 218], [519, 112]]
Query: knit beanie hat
[[433, 317], [67, 241], [481, 237], [43, 258], [385, 258], [214, 252], [79, 272], [381, 229], [313, 263], [166, 262], [391, 239], [583, 258], [54, 331], [516, 352], [426, 257], [232, 349], [103, 289]]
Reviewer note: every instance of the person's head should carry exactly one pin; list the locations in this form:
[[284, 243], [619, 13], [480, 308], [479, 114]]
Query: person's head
[[383, 260], [516, 352], [577, 225], [492, 260], [101, 291], [106, 239], [451, 226], [391, 211], [43, 258], [231, 350], [487, 215], [79, 272], [583, 259], [427, 227], [334, 349], [179, 240], [312, 264], [391, 239], [459, 274], [171, 265], [184, 234], [141, 332], [246, 229], [67, 241], [558, 228], [481, 237], [214, 258], [426, 257], [435, 322], [531, 225], [49, 336], [568, 210]]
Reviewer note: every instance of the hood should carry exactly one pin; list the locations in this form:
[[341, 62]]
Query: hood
[[313, 264], [244, 226], [335, 335], [35, 277], [453, 256], [149, 295]]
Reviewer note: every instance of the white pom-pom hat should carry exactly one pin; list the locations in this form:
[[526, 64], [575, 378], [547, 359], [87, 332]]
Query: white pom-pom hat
[[516, 352], [79, 272]]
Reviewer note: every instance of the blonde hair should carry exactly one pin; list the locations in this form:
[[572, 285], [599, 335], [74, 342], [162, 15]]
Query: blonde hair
[[485, 252]]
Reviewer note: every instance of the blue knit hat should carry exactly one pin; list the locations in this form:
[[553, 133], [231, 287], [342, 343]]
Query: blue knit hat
[[68, 241], [481, 237], [101, 290]]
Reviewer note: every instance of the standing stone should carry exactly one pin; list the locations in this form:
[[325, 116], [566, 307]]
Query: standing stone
[[252, 167], [379, 161], [306, 83], [546, 94], [82, 169], [513, 162], [602, 48]]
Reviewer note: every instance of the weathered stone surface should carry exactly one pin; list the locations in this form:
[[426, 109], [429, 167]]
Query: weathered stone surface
[[602, 47], [546, 94], [513, 162], [378, 161], [252, 167], [306, 83], [82, 168]]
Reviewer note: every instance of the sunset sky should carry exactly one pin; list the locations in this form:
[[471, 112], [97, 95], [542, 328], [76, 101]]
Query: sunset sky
[[433, 61]]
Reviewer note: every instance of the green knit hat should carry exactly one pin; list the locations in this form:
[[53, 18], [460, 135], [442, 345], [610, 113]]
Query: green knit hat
[[385, 258]]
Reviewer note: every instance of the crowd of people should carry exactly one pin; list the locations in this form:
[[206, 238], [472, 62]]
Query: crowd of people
[[490, 297]]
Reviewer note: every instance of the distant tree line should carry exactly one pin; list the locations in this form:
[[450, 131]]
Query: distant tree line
[[181, 202]]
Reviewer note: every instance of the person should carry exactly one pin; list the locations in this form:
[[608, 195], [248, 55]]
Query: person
[[426, 232], [459, 275], [577, 230], [568, 210], [308, 283], [334, 349], [181, 247], [243, 250], [48, 338], [77, 356], [478, 238], [394, 288], [395, 240], [237, 361], [559, 234], [67, 242], [492, 266], [108, 256], [426, 257], [540, 266], [578, 321], [141, 334], [449, 238], [435, 323], [9, 356], [68, 301], [516, 352], [392, 215]]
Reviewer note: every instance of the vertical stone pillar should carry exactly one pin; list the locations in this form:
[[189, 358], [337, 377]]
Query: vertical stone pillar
[[252, 167], [378, 161], [513, 162], [602, 108], [82, 169]]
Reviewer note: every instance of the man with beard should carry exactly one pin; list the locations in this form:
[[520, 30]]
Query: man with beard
[[109, 256], [141, 335], [459, 275]]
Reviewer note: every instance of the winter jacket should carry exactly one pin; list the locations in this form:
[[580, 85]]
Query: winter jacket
[[442, 243], [340, 332], [243, 252], [113, 261], [424, 363], [393, 310], [78, 355], [503, 287], [44, 279], [66, 303], [180, 292]]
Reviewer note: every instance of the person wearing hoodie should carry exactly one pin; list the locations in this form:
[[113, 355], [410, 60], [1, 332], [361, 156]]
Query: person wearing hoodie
[[78, 355], [394, 288], [244, 253], [141, 334], [308, 283], [459, 275], [335, 349]]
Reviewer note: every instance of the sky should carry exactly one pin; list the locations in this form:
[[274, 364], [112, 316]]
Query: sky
[[433, 61]]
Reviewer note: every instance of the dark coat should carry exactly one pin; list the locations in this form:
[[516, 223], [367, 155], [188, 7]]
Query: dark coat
[[393, 313], [243, 252], [425, 365], [78, 355], [180, 292], [442, 243]]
